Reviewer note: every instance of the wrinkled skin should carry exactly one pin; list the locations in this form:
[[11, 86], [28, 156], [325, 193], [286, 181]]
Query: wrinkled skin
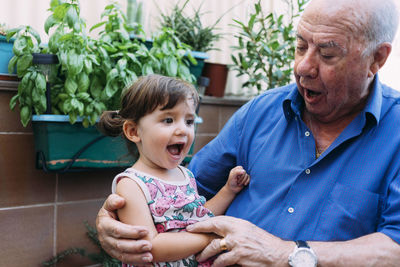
[[248, 245], [116, 237]]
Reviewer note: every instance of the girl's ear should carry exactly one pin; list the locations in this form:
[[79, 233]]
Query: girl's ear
[[131, 131]]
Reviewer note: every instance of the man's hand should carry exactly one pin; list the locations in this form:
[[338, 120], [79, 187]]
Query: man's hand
[[119, 240], [247, 244]]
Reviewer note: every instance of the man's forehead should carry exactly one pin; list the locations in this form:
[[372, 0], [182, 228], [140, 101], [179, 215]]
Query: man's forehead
[[321, 38]]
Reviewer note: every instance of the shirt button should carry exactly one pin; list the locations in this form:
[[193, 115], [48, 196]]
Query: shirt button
[[290, 210], [307, 133], [308, 171]]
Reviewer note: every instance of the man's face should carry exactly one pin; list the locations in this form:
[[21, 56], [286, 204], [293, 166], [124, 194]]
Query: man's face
[[330, 70]]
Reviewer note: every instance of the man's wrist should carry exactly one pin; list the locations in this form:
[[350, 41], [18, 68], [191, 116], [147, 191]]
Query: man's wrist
[[302, 255]]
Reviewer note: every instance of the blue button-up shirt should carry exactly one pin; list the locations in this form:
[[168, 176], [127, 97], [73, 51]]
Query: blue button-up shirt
[[351, 190]]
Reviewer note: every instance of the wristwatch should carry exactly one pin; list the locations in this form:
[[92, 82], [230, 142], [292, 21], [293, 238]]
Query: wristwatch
[[303, 255]]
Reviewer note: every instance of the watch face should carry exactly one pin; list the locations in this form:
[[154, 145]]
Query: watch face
[[303, 258]]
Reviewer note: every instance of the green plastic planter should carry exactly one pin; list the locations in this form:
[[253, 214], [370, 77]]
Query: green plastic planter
[[61, 146], [196, 70]]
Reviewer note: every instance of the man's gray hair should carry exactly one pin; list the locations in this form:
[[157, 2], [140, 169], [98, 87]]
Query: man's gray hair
[[382, 24]]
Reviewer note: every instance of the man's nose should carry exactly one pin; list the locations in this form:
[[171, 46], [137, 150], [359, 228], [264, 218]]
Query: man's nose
[[307, 64]]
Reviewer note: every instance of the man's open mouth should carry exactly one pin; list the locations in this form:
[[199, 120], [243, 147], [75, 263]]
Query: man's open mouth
[[311, 93], [175, 149]]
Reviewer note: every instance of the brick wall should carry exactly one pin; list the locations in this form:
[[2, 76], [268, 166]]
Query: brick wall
[[41, 213]]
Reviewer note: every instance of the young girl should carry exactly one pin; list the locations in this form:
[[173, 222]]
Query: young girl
[[157, 116]]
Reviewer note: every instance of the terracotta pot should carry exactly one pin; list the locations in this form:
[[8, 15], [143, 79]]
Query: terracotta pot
[[217, 73]]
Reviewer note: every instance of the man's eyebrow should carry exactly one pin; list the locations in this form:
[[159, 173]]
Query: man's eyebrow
[[300, 37], [330, 44]]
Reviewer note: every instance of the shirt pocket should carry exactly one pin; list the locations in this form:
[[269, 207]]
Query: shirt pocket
[[348, 213]]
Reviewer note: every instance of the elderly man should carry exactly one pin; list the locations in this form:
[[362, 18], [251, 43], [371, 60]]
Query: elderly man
[[323, 154]]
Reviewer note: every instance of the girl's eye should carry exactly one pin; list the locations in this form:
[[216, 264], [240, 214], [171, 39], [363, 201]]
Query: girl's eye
[[190, 122], [168, 120]]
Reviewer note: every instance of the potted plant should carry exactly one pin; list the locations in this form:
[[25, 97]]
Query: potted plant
[[266, 46], [88, 79], [191, 31]]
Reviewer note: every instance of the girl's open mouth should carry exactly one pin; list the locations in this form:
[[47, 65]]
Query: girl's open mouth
[[175, 149]]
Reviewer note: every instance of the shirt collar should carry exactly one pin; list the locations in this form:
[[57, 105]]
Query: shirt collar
[[293, 103]]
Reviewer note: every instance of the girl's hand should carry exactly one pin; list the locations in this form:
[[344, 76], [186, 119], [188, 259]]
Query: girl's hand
[[238, 178]]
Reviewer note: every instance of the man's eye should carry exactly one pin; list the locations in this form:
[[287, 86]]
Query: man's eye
[[168, 120], [327, 56], [301, 49]]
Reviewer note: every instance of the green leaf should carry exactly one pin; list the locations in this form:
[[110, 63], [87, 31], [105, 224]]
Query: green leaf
[[85, 122], [10, 34], [23, 63], [66, 106], [108, 90], [74, 62], [172, 66], [11, 64], [70, 86], [251, 21], [83, 82], [13, 101], [191, 58], [147, 69], [76, 104], [112, 75], [96, 87], [121, 64], [60, 11], [25, 114], [24, 82], [19, 46], [50, 22], [184, 73], [40, 82], [97, 25], [54, 42], [88, 65], [35, 34], [54, 4], [83, 97], [73, 116]]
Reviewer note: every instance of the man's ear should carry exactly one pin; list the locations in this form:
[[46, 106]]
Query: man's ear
[[381, 54], [131, 131]]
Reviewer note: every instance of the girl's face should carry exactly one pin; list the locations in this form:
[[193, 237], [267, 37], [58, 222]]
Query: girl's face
[[164, 137]]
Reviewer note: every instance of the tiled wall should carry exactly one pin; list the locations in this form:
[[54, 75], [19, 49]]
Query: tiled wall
[[41, 213]]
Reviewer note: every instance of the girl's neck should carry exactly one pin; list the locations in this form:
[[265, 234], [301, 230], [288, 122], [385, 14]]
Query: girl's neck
[[174, 174]]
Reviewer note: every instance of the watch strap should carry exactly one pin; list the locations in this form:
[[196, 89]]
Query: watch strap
[[302, 244]]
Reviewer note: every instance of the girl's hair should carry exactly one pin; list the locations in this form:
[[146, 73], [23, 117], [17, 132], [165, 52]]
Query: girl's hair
[[142, 98]]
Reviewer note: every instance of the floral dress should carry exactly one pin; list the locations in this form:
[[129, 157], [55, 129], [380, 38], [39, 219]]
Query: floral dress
[[173, 206]]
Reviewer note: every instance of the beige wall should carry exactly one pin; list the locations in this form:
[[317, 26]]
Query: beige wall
[[33, 12]]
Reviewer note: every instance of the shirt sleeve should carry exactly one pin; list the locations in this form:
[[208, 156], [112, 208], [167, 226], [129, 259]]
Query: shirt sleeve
[[211, 165], [390, 220]]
